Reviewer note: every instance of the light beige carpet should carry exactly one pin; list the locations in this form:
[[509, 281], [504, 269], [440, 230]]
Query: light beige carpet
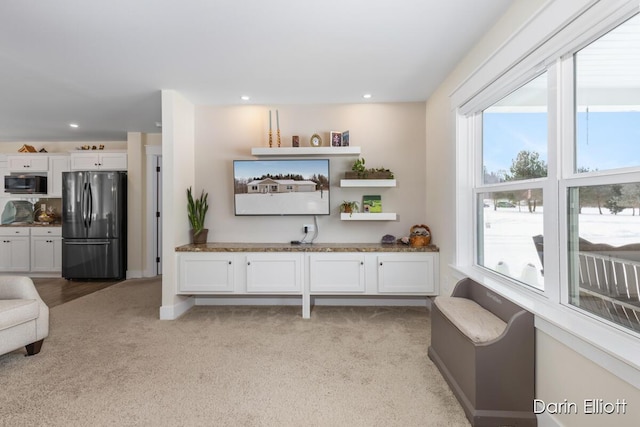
[[110, 361]]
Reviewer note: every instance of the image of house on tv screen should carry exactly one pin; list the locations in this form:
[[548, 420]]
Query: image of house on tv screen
[[281, 187]]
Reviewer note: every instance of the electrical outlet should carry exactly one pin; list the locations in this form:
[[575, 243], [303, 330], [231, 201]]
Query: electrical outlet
[[308, 228]]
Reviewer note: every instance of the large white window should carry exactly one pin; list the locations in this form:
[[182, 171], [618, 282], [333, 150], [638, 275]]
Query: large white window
[[602, 189], [510, 198], [556, 176]]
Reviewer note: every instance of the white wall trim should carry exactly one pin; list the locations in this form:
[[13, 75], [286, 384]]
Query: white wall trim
[[315, 300], [172, 312], [134, 274], [151, 151], [547, 420]]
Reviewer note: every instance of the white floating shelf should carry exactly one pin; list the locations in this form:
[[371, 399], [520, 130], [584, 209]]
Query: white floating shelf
[[305, 151], [367, 183], [368, 216]]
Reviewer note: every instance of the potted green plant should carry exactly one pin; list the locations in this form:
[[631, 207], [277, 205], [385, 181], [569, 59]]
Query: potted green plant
[[197, 211], [359, 171], [349, 207]]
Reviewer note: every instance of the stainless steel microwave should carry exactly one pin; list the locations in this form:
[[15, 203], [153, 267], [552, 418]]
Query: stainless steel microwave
[[25, 184]]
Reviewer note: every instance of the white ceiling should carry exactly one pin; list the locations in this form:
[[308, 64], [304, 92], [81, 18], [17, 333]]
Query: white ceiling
[[102, 64]]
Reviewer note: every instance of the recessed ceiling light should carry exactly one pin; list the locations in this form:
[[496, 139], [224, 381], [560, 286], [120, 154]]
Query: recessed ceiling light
[[73, 125], [366, 96], [245, 97]]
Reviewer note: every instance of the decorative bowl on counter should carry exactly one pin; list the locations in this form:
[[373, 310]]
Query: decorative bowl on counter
[[44, 217]]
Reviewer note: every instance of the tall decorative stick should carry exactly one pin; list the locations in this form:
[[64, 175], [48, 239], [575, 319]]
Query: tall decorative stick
[[278, 126], [270, 135]]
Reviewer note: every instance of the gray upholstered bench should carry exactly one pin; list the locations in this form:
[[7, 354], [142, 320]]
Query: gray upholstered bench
[[484, 346]]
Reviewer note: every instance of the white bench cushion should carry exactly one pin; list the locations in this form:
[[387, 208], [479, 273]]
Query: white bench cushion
[[477, 323], [16, 311]]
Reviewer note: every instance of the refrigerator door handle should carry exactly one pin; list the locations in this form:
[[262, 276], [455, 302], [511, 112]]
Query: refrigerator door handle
[[105, 242], [83, 203], [90, 204]]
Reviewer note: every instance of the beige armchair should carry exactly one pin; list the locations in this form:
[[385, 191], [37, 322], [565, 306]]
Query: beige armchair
[[24, 317]]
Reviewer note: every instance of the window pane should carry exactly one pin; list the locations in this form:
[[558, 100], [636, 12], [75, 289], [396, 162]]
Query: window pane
[[509, 225], [607, 91], [604, 251], [514, 135]]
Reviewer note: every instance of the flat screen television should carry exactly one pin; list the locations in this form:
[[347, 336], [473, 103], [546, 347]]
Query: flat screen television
[[281, 187]]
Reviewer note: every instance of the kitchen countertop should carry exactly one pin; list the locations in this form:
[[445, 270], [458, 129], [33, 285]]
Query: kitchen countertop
[[33, 224], [315, 247]]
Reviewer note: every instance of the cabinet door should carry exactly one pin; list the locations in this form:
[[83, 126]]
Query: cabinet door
[[85, 161], [407, 273], [46, 253], [113, 161], [14, 253], [274, 273], [205, 272], [28, 163], [4, 170], [57, 165], [336, 273]]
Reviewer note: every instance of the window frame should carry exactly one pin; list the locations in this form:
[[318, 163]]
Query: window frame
[[612, 346]]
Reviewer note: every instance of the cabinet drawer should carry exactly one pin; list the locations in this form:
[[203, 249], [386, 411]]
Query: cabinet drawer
[[14, 231], [46, 231]]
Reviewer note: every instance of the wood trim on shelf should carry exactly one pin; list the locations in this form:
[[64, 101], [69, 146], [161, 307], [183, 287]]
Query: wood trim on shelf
[[368, 216], [305, 151], [367, 183]]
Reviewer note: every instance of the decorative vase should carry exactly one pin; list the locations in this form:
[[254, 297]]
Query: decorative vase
[[200, 237]]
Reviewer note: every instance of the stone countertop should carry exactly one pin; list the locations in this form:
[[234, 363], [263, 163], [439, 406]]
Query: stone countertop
[[315, 247], [32, 224]]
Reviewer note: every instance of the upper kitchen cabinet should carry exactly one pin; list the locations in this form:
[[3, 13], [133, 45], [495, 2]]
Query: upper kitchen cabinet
[[33, 162], [57, 165], [99, 160]]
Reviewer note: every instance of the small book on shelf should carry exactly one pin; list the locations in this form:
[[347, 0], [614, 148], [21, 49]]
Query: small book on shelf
[[372, 203]]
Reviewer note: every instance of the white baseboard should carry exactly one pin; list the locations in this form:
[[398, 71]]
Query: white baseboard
[[360, 301], [547, 420], [253, 300], [172, 312], [134, 274]]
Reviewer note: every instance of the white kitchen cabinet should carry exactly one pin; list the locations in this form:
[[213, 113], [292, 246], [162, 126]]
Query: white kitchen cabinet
[[28, 163], [307, 272], [46, 249], [57, 165], [99, 160], [4, 170], [413, 273], [270, 273], [14, 249], [206, 273], [336, 273]]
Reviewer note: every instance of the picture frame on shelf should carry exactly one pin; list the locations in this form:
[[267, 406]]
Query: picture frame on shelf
[[345, 138], [372, 203], [336, 139]]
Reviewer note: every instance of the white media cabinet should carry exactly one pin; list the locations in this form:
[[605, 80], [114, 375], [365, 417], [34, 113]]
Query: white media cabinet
[[303, 273]]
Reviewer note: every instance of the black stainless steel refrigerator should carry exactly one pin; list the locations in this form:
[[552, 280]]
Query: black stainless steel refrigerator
[[94, 225]]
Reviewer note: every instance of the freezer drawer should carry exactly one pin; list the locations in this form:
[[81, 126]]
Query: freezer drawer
[[93, 259]]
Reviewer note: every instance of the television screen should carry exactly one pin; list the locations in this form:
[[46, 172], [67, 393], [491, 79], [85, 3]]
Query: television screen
[[281, 187]]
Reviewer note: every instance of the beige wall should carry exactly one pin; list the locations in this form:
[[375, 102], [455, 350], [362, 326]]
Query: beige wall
[[390, 135], [561, 373]]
